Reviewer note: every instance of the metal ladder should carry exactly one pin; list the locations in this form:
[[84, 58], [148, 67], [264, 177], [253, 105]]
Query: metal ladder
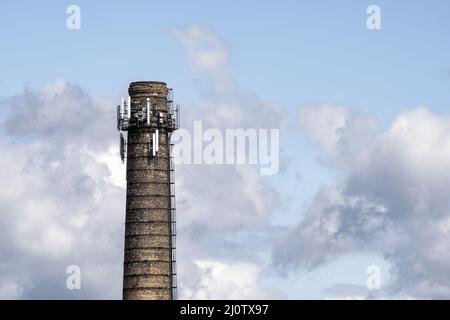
[[173, 219]]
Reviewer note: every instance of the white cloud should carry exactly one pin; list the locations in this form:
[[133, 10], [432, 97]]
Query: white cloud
[[206, 50], [391, 199], [322, 122], [344, 291], [217, 280], [58, 205], [10, 290]]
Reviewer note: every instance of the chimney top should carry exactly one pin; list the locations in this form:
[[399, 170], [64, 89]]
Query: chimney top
[[146, 88]]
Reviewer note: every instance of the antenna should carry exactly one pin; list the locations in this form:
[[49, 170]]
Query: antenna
[[178, 116], [157, 140], [148, 111], [123, 109], [153, 145], [129, 107], [122, 148], [118, 117]]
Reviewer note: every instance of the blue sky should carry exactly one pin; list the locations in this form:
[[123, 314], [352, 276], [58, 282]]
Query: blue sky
[[290, 53]]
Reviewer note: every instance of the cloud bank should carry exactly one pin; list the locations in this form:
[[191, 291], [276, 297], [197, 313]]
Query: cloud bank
[[390, 197], [63, 191], [58, 203]]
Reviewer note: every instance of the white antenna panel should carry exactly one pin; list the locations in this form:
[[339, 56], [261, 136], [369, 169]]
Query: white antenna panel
[[148, 111], [129, 107]]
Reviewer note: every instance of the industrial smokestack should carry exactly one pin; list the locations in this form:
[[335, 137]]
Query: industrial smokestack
[[149, 261]]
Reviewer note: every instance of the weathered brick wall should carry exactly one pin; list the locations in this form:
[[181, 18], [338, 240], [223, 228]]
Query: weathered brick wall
[[147, 260]]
